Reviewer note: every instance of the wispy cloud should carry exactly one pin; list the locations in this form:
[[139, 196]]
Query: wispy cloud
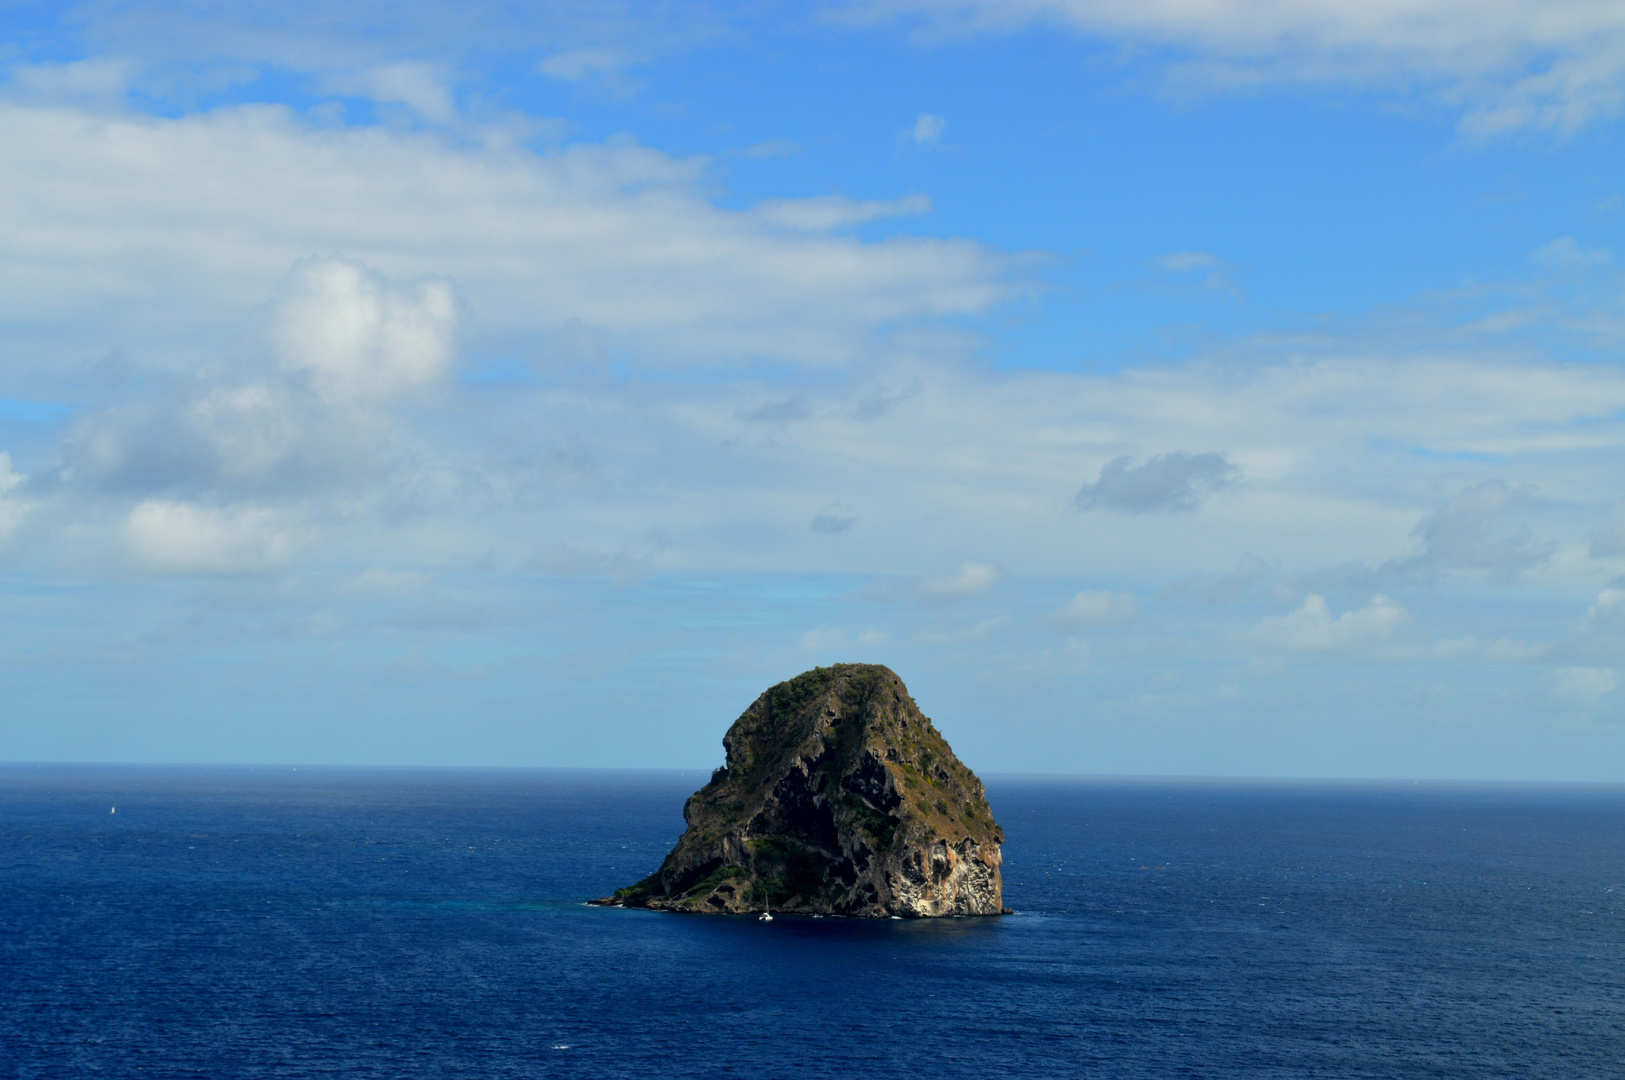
[[971, 579], [826, 212], [772, 148], [423, 88], [1185, 262], [927, 130], [617, 239], [1552, 64], [1585, 685], [1093, 609], [1564, 253], [607, 67]]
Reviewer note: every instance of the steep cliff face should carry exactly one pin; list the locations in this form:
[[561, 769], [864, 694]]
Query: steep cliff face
[[838, 797]]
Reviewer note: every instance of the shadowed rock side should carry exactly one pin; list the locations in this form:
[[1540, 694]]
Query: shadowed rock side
[[838, 797]]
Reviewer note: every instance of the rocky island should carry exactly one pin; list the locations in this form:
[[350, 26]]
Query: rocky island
[[838, 797]]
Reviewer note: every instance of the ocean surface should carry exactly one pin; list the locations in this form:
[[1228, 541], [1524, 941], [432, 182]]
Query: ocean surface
[[401, 924]]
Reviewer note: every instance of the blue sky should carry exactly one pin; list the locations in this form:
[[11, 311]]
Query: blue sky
[[1178, 387]]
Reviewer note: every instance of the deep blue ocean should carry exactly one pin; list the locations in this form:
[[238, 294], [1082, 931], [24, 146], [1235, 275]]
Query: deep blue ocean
[[399, 924]]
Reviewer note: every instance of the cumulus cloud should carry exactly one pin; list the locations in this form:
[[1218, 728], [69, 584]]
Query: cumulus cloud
[[359, 338], [1094, 608], [1556, 64], [601, 476], [166, 537], [343, 344], [1313, 629], [1168, 483], [235, 468]]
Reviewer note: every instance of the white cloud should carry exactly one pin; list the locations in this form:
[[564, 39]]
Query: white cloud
[[827, 212], [961, 635], [328, 40], [1184, 262], [988, 461], [310, 418], [1095, 608], [1313, 629], [383, 581], [579, 65], [143, 233], [827, 639], [13, 508], [1199, 270], [1508, 651], [596, 64], [1557, 64], [971, 579], [423, 88], [928, 457], [1601, 630], [1585, 685], [166, 537], [1596, 638], [927, 130], [772, 148], [98, 79], [1564, 253], [243, 466], [359, 338]]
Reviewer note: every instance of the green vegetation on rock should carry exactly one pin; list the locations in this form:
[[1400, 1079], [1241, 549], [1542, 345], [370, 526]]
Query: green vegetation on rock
[[838, 797]]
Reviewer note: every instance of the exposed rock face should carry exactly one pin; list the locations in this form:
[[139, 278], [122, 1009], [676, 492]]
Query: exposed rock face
[[838, 797]]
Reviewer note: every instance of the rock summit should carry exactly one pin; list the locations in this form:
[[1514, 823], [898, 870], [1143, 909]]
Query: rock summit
[[839, 797]]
